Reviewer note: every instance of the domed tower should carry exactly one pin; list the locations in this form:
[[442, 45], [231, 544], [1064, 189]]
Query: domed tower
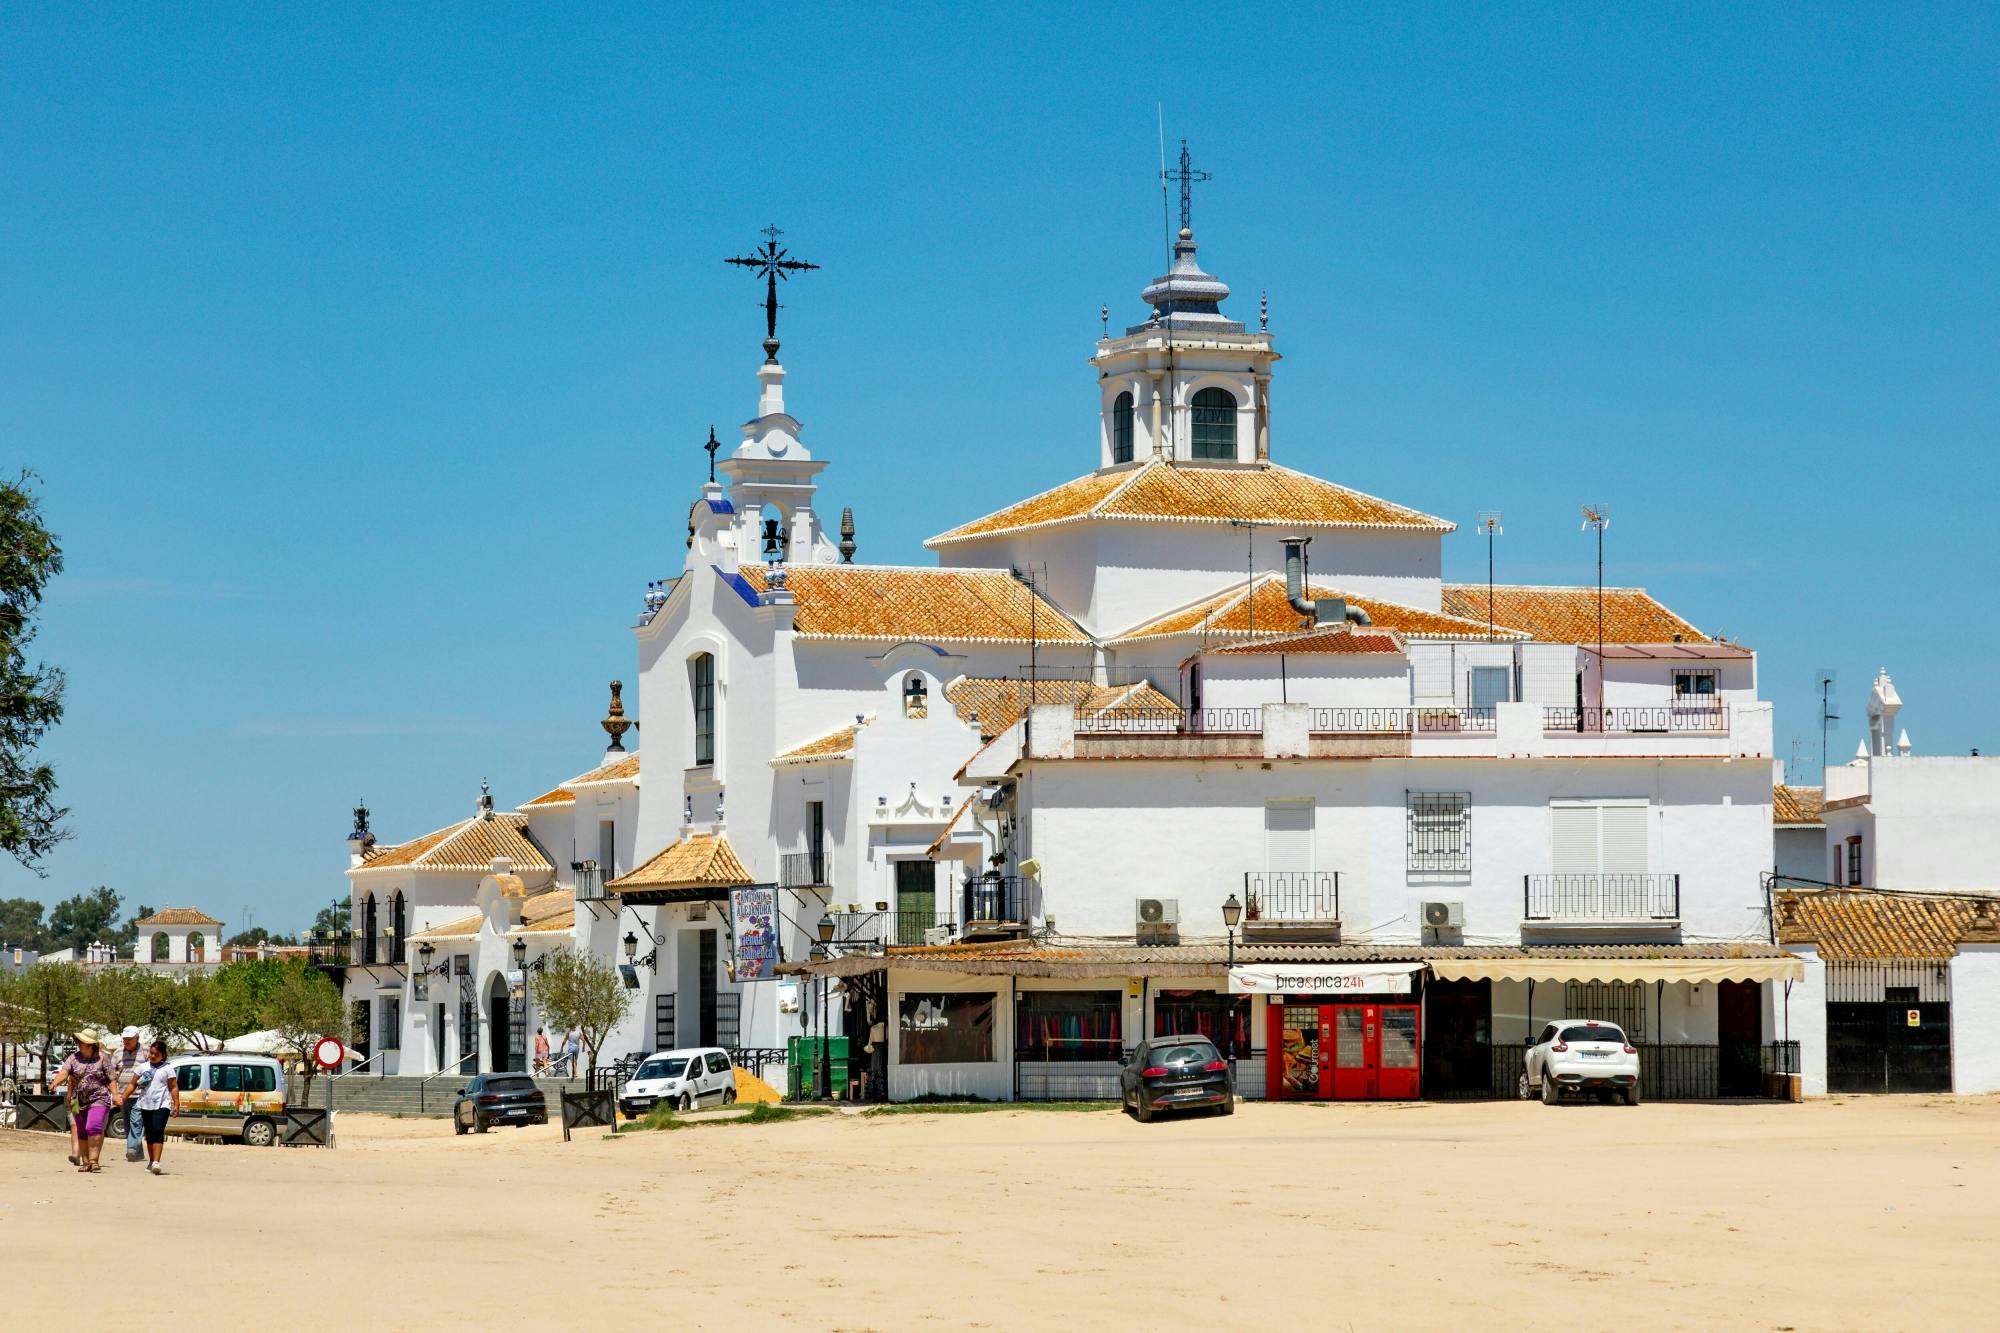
[[1190, 384]]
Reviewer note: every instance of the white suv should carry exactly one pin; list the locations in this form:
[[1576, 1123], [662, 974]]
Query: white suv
[[683, 1079], [1581, 1055]]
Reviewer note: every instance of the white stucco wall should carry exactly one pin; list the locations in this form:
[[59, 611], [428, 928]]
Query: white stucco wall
[[1975, 1019]]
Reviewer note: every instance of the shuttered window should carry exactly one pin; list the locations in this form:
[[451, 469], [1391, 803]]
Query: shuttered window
[[1490, 685], [1599, 839], [1288, 835]]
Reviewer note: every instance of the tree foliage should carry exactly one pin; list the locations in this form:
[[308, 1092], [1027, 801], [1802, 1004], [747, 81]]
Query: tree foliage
[[21, 924], [55, 998], [303, 1007], [85, 919], [580, 990], [335, 917], [30, 696]]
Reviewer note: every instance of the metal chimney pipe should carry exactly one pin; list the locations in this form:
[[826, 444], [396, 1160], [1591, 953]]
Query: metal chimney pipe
[[1330, 611]]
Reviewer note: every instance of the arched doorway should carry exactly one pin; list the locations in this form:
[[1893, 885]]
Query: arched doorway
[[506, 1028]]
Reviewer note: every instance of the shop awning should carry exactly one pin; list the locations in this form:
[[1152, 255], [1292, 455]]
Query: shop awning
[[1618, 969], [1323, 978]]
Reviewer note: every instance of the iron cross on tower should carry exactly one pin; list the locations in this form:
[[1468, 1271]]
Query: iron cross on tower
[[771, 262], [1187, 176]]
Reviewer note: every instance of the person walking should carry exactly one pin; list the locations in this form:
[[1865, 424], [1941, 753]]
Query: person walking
[[159, 1099], [125, 1070], [87, 1075], [573, 1050], [541, 1050]]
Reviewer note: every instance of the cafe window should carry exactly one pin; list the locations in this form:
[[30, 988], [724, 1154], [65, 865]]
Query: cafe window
[[1223, 1019], [945, 1028], [1065, 1025]]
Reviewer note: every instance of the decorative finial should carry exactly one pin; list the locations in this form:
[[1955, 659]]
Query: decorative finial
[[1104, 317], [1263, 312], [715, 444], [361, 838], [485, 800], [615, 723], [771, 262], [1187, 176], [847, 535]]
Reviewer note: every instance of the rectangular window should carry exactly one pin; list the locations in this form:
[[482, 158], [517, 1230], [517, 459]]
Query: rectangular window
[[1854, 860], [1070, 1025], [701, 674], [1490, 685], [1223, 1019], [1599, 839], [189, 1076], [607, 847], [944, 1028], [816, 839], [392, 1023], [1836, 866], [1440, 831], [1620, 1002], [360, 1035], [1694, 684], [1288, 835]]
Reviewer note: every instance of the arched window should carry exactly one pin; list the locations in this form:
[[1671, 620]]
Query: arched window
[[368, 929], [1215, 424], [161, 947], [396, 925], [916, 695], [701, 690], [195, 947], [1121, 428]]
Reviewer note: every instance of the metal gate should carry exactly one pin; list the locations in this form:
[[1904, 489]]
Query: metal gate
[[468, 1011], [1888, 1027], [663, 1022]]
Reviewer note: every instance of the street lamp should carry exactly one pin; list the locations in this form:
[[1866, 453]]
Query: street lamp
[[1232, 912], [520, 952], [825, 928], [631, 946]]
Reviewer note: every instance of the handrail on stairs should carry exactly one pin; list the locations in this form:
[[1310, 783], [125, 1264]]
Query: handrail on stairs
[[455, 1067]]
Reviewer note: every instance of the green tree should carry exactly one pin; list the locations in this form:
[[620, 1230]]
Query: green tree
[[121, 995], [256, 935], [303, 1007], [21, 924], [30, 696], [128, 934], [194, 1012], [335, 917], [54, 996], [75, 923], [582, 991]]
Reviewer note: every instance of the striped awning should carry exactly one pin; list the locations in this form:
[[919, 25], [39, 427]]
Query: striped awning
[[1618, 969]]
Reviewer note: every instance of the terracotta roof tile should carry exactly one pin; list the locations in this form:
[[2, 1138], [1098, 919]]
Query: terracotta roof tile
[[1342, 640], [560, 796], [1262, 607], [899, 602], [837, 744], [999, 701], [1850, 925], [552, 909], [622, 769], [1796, 805], [179, 916], [700, 859], [468, 845], [1569, 615], [1192, 492]]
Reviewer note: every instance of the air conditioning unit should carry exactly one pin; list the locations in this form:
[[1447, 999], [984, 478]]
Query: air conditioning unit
[[937, 935], [1444, 916], [1156, 918]]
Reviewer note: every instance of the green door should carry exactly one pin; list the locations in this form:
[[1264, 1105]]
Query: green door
[[916, 900]]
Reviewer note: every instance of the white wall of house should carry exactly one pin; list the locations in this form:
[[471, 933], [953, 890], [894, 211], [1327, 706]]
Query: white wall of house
[[1800, 851], [1109, 832], [1805, 1011], [1929, 822], [1975, 1017]]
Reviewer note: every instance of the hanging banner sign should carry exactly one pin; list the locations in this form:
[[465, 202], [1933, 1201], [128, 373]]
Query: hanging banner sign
[[753, 920], [1323, 979]]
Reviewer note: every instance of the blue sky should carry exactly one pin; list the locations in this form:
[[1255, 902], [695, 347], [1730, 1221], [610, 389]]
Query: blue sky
[[365, 354]]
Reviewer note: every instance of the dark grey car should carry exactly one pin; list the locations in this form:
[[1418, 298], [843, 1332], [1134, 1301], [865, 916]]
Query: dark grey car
[[499, 1099], [1175, 1074]]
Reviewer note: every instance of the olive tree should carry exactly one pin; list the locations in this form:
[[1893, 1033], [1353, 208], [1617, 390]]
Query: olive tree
[[302, 1008], [579, 990]]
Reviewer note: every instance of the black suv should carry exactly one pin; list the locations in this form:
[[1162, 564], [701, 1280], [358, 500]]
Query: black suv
[[1175, 1074], [499, 1099]]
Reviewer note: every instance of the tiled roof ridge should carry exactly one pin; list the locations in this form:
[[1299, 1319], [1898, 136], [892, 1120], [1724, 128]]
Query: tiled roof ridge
[[1549, 587], [1445, 524], [1219, 605], [1138, 469]]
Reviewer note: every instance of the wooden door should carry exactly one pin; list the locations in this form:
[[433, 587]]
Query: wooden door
[[1739, 1035]]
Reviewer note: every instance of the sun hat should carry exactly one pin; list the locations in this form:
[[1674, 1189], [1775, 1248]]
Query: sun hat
[[86, 1037], [129, 1031]]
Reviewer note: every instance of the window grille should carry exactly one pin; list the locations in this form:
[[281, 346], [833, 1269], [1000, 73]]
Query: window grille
[[1121, 429], [1214, 413], [1620, 1002], [1440, 830]]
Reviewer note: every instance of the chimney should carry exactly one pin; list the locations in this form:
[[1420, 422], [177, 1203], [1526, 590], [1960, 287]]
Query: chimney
[[485, 800], [1324, 611]]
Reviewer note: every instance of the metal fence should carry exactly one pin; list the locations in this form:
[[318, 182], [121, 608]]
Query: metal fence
[[1291, 895], [1598, 897], [1670, 1071], [1710, 716]]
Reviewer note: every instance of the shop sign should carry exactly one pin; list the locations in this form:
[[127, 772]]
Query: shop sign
[[753, 924], [1913, 1018], [1323, 979]]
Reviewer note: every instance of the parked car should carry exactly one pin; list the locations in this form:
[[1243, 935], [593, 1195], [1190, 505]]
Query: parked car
[[1581, 1055], [1175, 1074], [499, 1099], [683, 1079], [224, 1095]]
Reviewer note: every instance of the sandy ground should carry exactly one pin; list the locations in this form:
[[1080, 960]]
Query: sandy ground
[[1852, 1213]]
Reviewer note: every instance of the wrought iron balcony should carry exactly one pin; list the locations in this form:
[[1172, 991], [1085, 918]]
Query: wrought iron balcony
[[1694, 713], [993, 904], [1404, 721], [1601, 899], [802, 870], [1280, 897]]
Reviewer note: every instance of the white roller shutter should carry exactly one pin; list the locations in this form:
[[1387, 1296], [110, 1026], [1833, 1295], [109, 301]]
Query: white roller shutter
[[1575, 848], [1624, 839], [1288, 835]]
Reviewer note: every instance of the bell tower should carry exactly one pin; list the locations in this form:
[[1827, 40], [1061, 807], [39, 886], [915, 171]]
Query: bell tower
[[1188, 385]]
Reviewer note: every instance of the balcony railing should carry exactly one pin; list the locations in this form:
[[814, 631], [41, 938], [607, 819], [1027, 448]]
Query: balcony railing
[[1403, 721], [1248, 719], [801, 870], [993, 901], [1600, 899], [1690, 715], [1274, 897]]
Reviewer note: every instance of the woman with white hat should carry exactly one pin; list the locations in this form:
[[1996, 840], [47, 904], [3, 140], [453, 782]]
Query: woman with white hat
[[88, 1077]]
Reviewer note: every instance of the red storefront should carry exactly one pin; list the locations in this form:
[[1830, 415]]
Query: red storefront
[[1346, 1032]]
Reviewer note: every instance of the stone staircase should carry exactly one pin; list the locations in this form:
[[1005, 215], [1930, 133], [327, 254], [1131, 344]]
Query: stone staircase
[[401, 1095]]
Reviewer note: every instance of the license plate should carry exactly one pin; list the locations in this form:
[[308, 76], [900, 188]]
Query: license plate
[[1597, 1055], [518, 1110]]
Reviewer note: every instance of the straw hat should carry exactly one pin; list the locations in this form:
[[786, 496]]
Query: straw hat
[[87, 1037]]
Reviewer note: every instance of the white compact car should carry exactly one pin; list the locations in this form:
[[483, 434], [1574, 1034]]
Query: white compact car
[[684, 1079], [1581, 1055]]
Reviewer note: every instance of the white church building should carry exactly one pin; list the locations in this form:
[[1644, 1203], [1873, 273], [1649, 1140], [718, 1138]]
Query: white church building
[[1195, 741]]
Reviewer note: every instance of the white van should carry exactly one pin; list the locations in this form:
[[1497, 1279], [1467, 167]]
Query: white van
[[225, 1095], [684, 1079]]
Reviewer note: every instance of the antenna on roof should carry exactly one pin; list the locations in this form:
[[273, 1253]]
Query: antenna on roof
[[1599, 516], [1823, 680], [1489, 523]]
